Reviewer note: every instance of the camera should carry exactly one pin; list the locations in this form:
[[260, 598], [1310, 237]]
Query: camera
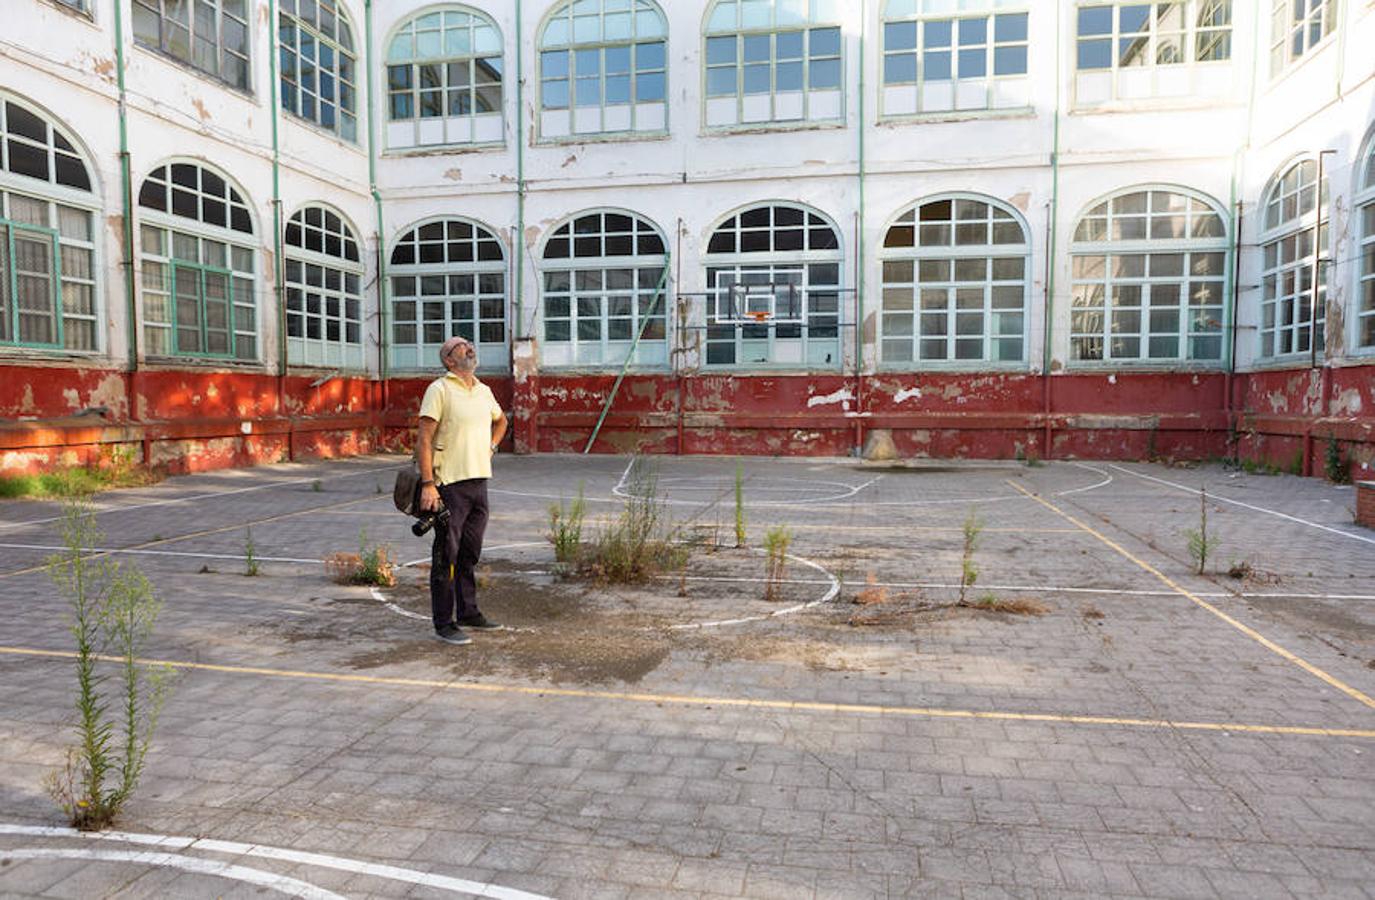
[[438, 519]]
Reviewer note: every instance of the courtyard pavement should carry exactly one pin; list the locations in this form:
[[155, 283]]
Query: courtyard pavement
[[1093, 720]]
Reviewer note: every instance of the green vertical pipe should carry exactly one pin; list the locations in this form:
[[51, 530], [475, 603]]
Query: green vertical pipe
[[279, 273], [1046, 338], [376, 200], [519, 324], [126, 191], [860, 267]]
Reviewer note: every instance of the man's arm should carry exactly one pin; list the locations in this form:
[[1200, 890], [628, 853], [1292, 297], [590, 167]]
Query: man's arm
[[499, 426], [424, 460]]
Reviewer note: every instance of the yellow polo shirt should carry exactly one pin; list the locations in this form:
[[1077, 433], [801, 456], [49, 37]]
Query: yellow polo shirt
[[463, 440]]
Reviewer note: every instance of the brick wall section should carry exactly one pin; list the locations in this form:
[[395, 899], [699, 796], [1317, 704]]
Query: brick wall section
[[1365, 503]]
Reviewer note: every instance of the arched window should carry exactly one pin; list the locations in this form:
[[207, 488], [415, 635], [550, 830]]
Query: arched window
[[213, 37], [1365, 291], [955, 283], [604, 285], [198, 267], [448, 278], [318, 71], [1295, 27], [937, 61], [47, 234], [773, 61], [1293, 306], [773, 285], [1126, 49], [603, 68], [324, 293], [1149, 265], [444, 80]]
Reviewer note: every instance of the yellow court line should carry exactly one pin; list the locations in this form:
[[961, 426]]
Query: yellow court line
[[1184, 592], [733, 702]]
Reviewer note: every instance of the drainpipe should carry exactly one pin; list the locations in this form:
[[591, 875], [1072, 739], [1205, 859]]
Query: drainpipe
[[1237, 206], [520, 176], [377, 209], [127, 198], [859, 244], [279, 269], [1054, 213]]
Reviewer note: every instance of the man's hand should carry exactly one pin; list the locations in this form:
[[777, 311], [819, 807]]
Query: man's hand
[[429, 498]]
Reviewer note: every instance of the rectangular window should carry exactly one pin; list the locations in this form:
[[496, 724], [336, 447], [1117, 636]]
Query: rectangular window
[[778, 76], [47, 275], [1293, 305], [1147, 307], [198, 296], [770, 315], [1365, 303], [1296, 26], [945, 63], [211, 35]]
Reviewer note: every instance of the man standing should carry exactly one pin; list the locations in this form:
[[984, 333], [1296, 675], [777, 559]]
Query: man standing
[[461, 426]]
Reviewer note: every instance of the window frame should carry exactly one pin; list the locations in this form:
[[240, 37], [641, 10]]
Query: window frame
[[1295, 229], [54, 195], [446, 90], [572, 47], [334, 354], [1363, 202], [1147, 248], [608, 357], [990, 80], [807, 59], [170, 224], [1191, 34], [493, 356], [773, 260], [954, 252], [343, 23], [247, 57], [1283, 59]]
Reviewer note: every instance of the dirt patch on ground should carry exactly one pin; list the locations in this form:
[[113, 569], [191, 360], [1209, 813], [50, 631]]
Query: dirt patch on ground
[[1317, 616]]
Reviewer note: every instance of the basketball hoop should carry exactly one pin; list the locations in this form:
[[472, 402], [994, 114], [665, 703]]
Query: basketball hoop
[[759, 315]]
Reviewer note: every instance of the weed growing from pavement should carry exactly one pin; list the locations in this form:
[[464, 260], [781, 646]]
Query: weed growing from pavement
[[776, 541], [1017, 606], [1338, 467], [641, 543], [113, 610], [249, 554], [873, 593], [565, 528], [115, 469], [1201, 544], [739, 505], [969, 571], [371, 565], [317, 485]]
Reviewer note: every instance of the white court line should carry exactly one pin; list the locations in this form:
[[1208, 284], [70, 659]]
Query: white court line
[[132, 552], [280, 884], [1259, 509], [206, 496], [320, 860], [826, 598]]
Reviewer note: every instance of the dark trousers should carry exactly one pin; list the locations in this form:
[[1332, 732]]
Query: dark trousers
[[453, 583]]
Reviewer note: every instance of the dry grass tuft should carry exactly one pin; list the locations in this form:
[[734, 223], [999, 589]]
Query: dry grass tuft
[[1016, 606], [1091, 612], [872, 595]]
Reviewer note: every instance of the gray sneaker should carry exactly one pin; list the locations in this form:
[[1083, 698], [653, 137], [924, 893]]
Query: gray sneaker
[[452, 635], [479, 622]]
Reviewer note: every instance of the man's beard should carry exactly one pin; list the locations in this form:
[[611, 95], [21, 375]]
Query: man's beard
[[466, 364]]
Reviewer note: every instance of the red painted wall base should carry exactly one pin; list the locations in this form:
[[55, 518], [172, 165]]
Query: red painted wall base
[[185, 421]]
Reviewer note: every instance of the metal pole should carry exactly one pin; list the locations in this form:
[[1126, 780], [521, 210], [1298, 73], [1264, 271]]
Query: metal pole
[[661, 292], [1317, 264]]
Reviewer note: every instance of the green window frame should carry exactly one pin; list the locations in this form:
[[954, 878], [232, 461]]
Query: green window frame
[[1149, 266], [1365, 272], [797, 250], [195, 232], [603, 69], [48, 270], [974, 59], [444, 80], [773, 61], [955, 284], [318, 65], [212, 36], [1288, 326], [601, 276], [448, 279]]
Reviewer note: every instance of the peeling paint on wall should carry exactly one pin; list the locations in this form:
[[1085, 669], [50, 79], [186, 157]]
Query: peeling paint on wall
[[844, 395]]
